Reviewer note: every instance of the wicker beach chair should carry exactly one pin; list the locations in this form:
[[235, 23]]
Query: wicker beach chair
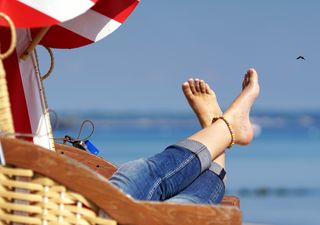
[[77, 177], [44, 187]]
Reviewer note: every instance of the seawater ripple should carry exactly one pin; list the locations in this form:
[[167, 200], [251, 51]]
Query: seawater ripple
[[276, 192]]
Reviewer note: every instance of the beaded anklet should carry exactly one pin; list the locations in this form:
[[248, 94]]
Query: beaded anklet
[[233, 135]]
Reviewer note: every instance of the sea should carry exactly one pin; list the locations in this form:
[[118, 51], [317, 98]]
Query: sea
[[276, 177]]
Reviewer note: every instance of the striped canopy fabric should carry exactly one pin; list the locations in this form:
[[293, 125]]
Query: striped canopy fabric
[[43, 13], [98, 22], [29, 112], [28, 105]]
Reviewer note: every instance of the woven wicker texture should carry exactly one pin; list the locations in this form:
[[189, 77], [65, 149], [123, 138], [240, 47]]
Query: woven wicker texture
[[6, 122], [29, 198]]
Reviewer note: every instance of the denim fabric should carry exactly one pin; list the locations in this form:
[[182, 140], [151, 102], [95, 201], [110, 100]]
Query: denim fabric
[[208, 188], [167, 174]]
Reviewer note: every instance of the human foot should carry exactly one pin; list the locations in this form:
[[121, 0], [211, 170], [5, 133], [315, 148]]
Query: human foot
[[202, 100], [239, 111]]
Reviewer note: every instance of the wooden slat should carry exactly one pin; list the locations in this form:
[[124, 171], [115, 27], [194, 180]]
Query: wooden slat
[[117, 205], [103, 167], [231, 200]]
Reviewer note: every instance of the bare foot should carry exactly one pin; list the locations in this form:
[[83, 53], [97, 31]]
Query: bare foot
[[239, 111], [202, 100], [204, 103]]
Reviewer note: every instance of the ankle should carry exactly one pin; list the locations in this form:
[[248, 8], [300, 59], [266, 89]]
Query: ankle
[[241, 126], [205, 120], [230, 129], [204, 124], [230, 118]]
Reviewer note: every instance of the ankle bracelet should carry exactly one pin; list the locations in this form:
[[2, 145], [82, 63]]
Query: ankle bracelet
[[233, 135]]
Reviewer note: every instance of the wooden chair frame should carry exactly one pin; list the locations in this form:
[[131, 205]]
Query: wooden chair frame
[[80, 178]]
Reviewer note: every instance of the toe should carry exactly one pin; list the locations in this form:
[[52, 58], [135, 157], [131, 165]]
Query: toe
[[245, 82], [253, 76], [209, 90], [202, 86], [197, 85], [246, 79], [186, 89], [191, 83]]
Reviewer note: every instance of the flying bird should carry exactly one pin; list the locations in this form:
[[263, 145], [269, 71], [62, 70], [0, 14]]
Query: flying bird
[[301, 57]]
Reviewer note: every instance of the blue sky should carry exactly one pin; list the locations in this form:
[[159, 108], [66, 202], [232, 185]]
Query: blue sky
[[141, 66]]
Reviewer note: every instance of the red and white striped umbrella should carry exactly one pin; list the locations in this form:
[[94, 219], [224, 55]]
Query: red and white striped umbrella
[[98, 22], [36, 13]]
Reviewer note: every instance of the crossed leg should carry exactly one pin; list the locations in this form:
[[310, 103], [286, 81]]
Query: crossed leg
[[203, 101], [170, 172], [217, 136], [209, 186]]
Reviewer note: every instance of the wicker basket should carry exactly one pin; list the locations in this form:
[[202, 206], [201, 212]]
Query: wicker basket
[[30, 198]]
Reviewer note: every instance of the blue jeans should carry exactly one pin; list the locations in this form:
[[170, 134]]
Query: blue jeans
[[182, 173]]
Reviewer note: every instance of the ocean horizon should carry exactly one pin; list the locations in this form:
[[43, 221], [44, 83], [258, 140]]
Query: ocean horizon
[[276, 176]]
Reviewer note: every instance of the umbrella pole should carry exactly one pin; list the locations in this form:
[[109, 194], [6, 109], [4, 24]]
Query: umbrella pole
[[34, 42]]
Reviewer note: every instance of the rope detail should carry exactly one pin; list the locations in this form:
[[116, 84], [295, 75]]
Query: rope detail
[[6, 121]]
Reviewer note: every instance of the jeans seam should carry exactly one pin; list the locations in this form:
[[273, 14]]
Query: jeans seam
[[170, 173], [215, 193]]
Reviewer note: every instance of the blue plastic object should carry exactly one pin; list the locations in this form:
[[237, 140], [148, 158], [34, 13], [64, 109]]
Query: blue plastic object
[[91, 148]]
